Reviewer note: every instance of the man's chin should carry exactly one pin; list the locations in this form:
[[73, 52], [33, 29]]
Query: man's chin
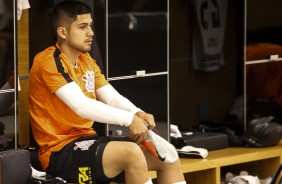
[[87, 49]]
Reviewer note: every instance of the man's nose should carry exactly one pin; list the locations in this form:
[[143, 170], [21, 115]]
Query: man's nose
[[90, 32]]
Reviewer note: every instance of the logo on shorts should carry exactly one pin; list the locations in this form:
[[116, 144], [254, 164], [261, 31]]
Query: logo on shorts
[[84, 145], [84, 176], [90, 82]]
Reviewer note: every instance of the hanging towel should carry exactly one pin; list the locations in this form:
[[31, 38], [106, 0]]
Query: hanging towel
[[22, 5]]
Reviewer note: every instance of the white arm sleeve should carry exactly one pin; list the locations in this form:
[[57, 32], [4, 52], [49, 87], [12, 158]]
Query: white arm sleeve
[[110, 96], [92, 109]]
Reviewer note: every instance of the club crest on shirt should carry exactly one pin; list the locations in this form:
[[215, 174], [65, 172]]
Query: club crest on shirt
[[84, 145], [88, 77]]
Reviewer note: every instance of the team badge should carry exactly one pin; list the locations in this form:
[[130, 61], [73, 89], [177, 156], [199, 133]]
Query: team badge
[[84, 145], [89, 81]]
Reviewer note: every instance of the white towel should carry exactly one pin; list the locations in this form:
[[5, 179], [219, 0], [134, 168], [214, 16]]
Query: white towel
[[22, 5]]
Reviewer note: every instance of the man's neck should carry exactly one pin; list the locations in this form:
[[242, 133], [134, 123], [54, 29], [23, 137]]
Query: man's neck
[[71, 54]]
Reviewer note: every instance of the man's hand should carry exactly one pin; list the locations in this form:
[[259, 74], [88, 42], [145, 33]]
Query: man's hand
[[149, 118], [138, 129]]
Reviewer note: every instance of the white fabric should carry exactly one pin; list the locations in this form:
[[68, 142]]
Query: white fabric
[[181, 182], [149, 181], [22, 5], [174, 131], [193, 151], [110, 96], [92, 109], [165, 150], [245, 179], [35, 173]]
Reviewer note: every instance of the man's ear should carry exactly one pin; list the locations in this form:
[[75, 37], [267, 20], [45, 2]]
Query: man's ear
[[62, 32]]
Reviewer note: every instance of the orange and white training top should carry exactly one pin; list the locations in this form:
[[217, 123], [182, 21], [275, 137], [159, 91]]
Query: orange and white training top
[[53, 123]]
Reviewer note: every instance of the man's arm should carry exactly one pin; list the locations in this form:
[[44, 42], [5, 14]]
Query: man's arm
[[92, 109], [95, 110], [110, 96]]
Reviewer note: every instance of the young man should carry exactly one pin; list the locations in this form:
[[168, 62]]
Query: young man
[[67, 92]]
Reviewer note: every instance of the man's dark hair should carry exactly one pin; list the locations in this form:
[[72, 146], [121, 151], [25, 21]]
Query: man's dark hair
[[66, 12]]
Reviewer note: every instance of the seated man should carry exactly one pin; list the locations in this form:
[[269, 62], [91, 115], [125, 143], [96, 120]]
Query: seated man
[[67, 92]]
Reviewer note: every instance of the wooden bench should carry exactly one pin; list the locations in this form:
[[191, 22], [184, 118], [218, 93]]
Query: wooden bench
[[261, 162]]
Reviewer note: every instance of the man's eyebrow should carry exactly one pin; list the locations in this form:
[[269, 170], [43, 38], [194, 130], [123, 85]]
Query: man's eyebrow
[[85, 23]]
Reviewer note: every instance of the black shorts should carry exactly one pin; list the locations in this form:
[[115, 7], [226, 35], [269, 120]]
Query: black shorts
[[81, 161]]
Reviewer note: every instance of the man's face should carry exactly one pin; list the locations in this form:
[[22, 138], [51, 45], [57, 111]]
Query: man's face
[[80, 34]]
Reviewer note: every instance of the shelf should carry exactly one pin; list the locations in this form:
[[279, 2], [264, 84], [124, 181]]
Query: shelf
[[137, 76], [261, 162]]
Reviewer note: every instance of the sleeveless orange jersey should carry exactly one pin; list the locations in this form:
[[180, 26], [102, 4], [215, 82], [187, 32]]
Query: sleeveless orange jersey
[[53, 123]]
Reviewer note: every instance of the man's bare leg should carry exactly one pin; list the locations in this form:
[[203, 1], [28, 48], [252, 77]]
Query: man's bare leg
[[166, 173], [128, 157]]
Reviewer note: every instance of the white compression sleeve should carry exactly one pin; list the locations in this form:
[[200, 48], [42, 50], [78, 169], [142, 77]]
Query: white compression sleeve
[[110, 96], [92, 109], [181, 182]]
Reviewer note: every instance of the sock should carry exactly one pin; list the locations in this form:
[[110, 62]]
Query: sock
[[181, 182], [149, 181], [160, 148]]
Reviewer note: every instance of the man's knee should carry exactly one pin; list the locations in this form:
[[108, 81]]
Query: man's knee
[[123, 156], [133, 152]]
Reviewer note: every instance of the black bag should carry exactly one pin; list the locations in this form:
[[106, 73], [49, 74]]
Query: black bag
[[263, 132]]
